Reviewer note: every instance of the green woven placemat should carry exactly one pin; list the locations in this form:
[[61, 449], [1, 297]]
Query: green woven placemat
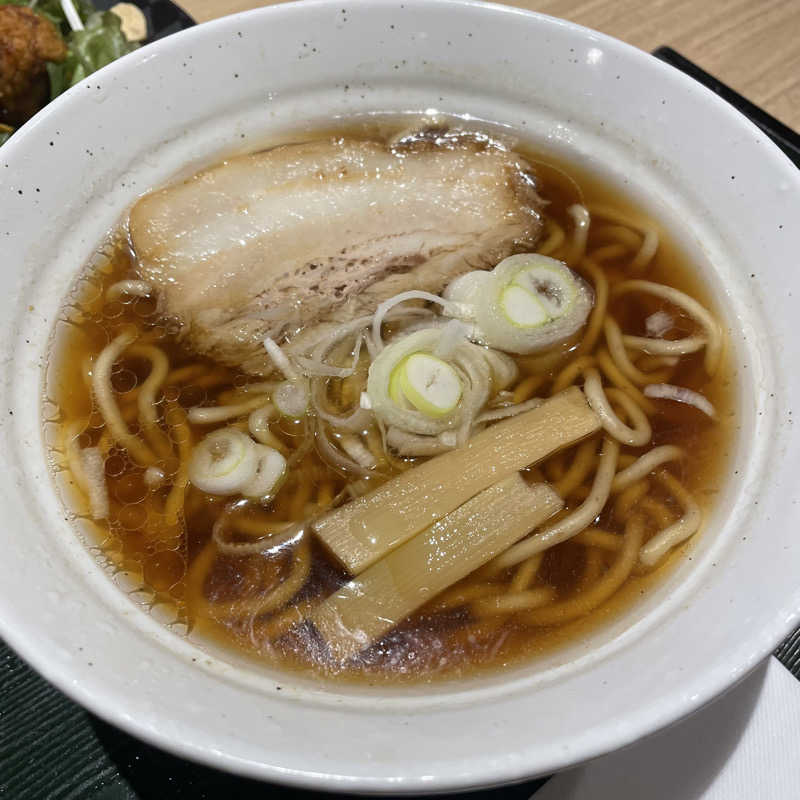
[[51, 749], [789, 654]]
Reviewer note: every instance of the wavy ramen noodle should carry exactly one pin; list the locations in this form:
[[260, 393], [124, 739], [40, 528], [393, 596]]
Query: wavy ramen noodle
[[393, 404]]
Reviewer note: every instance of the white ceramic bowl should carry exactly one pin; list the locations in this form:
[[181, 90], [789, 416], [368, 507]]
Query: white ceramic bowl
[[689, 158]]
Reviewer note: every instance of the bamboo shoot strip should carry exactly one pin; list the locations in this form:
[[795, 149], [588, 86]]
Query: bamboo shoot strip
[[370, 605], [366, 529]]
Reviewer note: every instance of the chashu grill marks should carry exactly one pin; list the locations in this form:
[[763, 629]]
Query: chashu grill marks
[[320, 231]]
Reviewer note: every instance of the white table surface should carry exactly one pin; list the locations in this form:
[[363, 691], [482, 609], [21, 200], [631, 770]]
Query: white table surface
[[744, 746]]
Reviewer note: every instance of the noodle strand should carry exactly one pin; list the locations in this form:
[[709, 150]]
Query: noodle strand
[[598, 399], [679, 531], [146, 397], [588, 600], [694, 309], [104, 395], [575, 521]]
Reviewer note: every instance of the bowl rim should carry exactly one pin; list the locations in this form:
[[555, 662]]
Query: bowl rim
[[89, 690]]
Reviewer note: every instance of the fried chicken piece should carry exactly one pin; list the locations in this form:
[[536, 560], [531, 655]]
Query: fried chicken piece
[[27, 42]]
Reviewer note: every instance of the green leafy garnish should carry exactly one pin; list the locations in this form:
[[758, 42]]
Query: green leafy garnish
[[100, 43]]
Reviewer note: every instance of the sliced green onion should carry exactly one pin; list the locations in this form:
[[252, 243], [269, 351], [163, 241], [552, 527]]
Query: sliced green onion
[[396, 390], [504, 369], [357, 450], [468, 288], [397, 399], [94, 467], [522, 308], [430, 384], [291, 398], [554, 286], [412, 444], [223, 462], [387, 305], [270, 470], [454, 333], [526, 304], [280, 359]]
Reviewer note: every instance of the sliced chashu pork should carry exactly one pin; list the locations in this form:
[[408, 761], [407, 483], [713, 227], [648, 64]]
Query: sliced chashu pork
[[311, 232]]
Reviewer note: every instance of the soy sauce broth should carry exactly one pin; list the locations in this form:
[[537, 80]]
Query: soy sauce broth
[[429, 645]]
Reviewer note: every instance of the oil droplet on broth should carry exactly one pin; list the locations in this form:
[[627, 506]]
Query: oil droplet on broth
[[162, 555]]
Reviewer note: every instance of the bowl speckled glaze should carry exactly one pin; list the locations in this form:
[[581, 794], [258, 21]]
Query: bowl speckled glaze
[[692, 161]]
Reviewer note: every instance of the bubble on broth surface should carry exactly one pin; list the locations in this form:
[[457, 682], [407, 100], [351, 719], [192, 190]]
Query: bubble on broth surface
[[163, 570], [123, 380], [131, 517], [129, 488], [192, 396], [144, 307], [115, 464], [114, 309], [95, 421], [149, 553]]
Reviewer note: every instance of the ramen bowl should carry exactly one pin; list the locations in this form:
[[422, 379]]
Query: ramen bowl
[[691, 161]]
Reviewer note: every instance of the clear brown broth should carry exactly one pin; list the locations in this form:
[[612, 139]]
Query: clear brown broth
[[427, 645]]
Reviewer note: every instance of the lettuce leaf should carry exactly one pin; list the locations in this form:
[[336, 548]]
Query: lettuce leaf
[[100, 43]]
